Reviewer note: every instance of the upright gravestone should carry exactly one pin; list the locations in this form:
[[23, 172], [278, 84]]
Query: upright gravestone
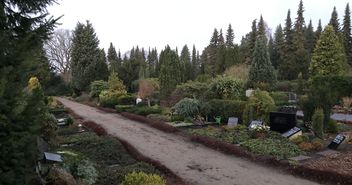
[[255, 123], [232, 122], [337, 141], [282, 122], [292, 97], [292, 133]]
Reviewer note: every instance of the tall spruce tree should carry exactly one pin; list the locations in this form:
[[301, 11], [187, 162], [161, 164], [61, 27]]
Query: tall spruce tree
[[334, 21], [24, 28], [318, 31], [232, 55], [278, 47], [152, 61], [261, 70], [347, 37], [113, 59], [230, 36], [310, 38], [86, 57], [185, 60], [252, 39], [170, 73], [195, 63], [261, 28], [329, 57]]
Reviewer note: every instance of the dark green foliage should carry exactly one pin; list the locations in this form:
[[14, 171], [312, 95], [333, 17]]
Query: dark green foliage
[[153, 63], [261, 69], [192, 89], [24, 28], [347, 37], [318, 31], [261, 29], [186, 66], [277, 53], [88, 62], [318, 123], [140, 110], [187, 107], [258, 107], [230, 36], [331, 127], [56, 86], [113, 59], [170, 71], [96, 87], [195, 63], [334, 21], [280, 98], [226, 109], [227, 88], [329, 56], [126, 100], [141, 178], [310, 38]]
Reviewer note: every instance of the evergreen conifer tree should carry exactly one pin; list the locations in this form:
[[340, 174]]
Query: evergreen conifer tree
[[347, 37], [334, 21], [310, 38], [230, 36], [185, 60], [113, 59], [195, 63], [278, 48], [318, 31]]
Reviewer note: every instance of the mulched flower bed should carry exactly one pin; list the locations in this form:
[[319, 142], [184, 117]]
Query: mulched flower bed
[[339, 163]]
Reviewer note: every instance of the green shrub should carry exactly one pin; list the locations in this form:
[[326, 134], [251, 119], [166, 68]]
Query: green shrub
[[175, 118], [141, 178], [226, 109], [145, 110], [126, 100], [204, 78], [285, 86], [97, 86], [280, 98], [300, 139], [187, 107], [159, 117], [191, 89], [331, 127], [87, 172], [318, 123], [123, 108], [258, 107], [227, 88], [109, 98], [308, 106]]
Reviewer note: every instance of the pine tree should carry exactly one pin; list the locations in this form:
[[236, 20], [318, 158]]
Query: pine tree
[[261, 70], [261, 28], [24, 28], [170, 74], [230, 36], [278, 48], [334, 21], [209, 59], [347, 37], [310, 38], [185, 60], [152, 61], [318, 31], [252, 39], [329, 56], [86, 56], [195, 63], [113, 59], [271, 50]]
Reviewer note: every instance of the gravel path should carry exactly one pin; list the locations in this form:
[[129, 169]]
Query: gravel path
[[192, 162]]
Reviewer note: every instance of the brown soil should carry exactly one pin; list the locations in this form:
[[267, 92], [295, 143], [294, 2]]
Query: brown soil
[[192, 162], [339, 163]]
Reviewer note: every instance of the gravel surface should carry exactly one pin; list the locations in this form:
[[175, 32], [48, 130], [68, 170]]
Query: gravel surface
[[192, 162]]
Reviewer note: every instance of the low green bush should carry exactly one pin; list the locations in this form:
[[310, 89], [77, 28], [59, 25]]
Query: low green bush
[[332, 127], [109, 98], [159, 117], [123, 108], [141, 178], [226, 109], [145, 110], [176, 118], [96, 87], [318, 123], [187, 107], [280, 98], [227, 88], [126, 100]]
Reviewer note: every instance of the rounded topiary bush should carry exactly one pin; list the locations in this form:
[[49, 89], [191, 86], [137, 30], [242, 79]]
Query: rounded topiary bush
[[187, 107], [227, 88], [141, 178], [96, 87], [258, 107]]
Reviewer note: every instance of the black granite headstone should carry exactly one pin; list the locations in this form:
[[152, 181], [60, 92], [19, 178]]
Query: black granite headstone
[[291, 132], [255, 123], [337, 141], [282, 122]]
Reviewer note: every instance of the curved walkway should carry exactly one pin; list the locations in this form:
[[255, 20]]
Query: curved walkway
[[192, 162]]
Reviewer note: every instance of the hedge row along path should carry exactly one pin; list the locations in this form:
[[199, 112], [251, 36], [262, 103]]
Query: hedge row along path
[[193, 162]]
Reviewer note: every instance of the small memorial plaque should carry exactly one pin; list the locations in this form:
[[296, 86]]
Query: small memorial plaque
[[61, 121], [292, 132], [232, 122], [337, 141], [255, 123]]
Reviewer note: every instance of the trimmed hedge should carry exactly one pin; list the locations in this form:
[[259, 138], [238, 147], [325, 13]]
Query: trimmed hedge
[[126, 100], [226, 109]]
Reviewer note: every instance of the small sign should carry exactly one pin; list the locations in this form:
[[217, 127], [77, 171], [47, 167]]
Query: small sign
[[249, 92], [255, 123], [61, 121], [52, 157], [337, 141], [292, 132], [232, 122]]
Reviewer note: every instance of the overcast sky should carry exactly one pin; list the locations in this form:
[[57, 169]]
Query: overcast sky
[[156, 23]]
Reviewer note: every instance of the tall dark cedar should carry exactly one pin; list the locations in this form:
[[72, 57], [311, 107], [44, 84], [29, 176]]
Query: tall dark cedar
[[310, 38], [278, 47], [261, 70], [24, 28], [286, 67], [301, 56], [232, 55], [230, 36], [318, 31], [347, 38], [113, 59], [252, 39], [170, 74], [185, 60], [334, 21], [131, 68], [209, 54], [152, 61], [220, 65], [86, 57], [271, 50], [261, 28], [195, 63]]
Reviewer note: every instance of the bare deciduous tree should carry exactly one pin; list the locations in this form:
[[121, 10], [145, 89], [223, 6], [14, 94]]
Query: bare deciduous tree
[[58, 50]]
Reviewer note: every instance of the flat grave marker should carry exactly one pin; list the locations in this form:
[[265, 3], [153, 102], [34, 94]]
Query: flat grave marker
[[232, 122], [292, 133], [337, 141], [255, 123]]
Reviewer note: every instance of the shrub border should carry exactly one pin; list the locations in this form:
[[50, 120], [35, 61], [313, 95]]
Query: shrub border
[[321, 176]]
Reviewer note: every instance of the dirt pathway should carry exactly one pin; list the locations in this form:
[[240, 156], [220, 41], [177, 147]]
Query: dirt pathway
[[192, 162]]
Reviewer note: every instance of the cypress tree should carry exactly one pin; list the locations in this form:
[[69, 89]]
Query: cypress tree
[[170, 74], [152, 61], [195, 63], [185, 60], [329, 56], [86, 56], [271, 50], [334, 21], [347, 38], [278, 47], [261, 70], [113, 59]]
